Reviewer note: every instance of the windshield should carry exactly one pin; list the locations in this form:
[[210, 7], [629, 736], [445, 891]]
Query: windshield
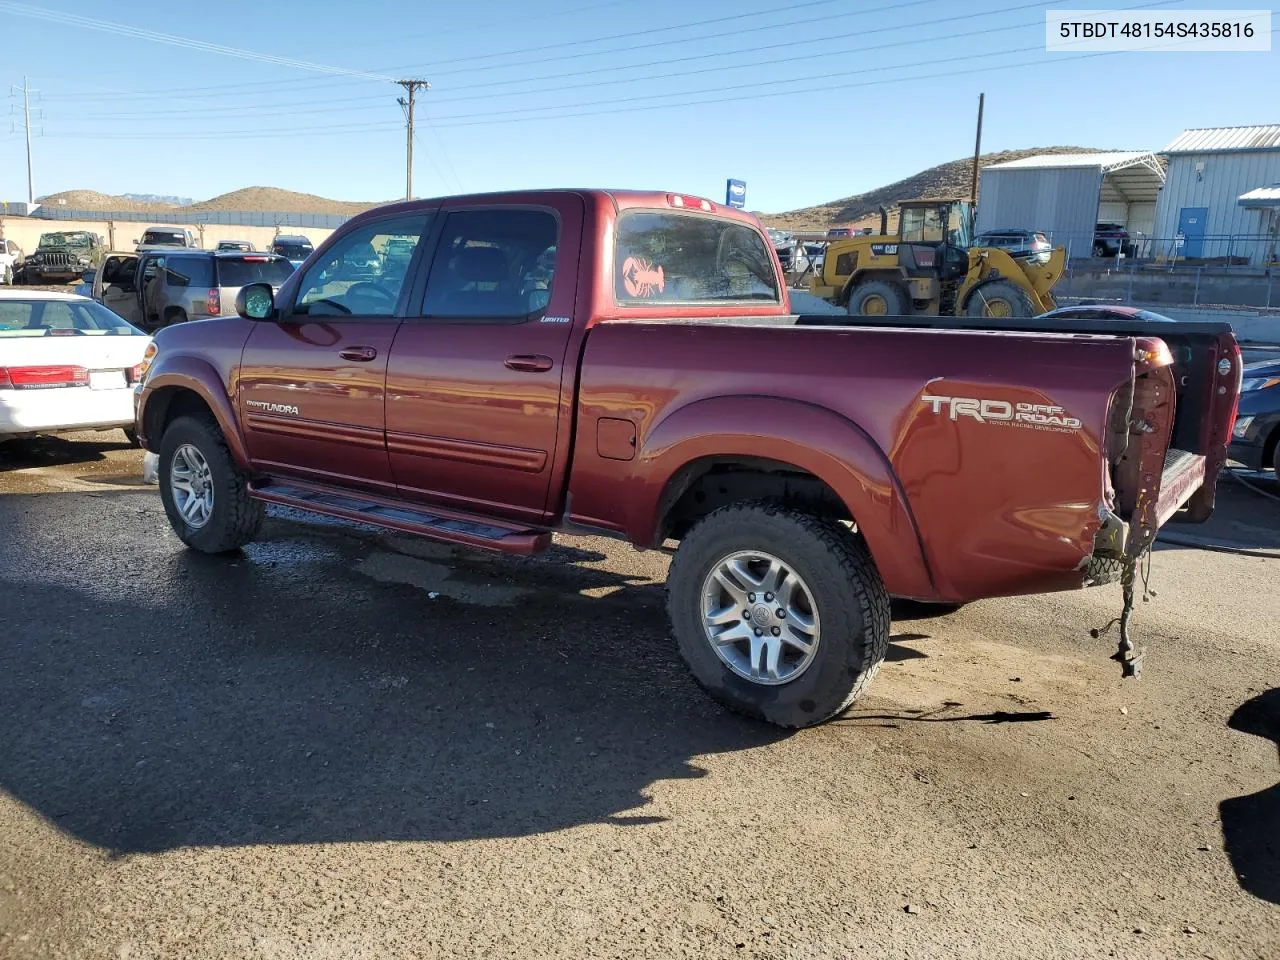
[[237, 272], [293, 251], [164, 237], [61, 241], [46, 318]]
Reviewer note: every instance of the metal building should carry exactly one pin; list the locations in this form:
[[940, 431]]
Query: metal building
[[1206, 209], [1066, 195]]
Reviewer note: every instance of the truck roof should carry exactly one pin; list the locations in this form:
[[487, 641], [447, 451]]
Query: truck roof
[[619, 199]]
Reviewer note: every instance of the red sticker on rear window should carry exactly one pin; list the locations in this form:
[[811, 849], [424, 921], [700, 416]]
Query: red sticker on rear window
[[641, 279]]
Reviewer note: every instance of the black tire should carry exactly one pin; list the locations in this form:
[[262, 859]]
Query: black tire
[[999, 299], [174, 316], [874, 293], [1275, 458], [236, 517], [1099, 250], [848, 596]]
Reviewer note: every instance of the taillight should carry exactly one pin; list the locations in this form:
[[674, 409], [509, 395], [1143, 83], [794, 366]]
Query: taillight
[[685, 201], [38, 378], [139, 373], [213, 302]]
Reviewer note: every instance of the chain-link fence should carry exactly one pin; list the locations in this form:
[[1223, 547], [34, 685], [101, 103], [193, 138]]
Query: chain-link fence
[[237, 218], [1224, 250]]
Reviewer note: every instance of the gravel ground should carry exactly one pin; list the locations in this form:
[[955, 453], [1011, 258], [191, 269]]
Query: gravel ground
[[349, 744]]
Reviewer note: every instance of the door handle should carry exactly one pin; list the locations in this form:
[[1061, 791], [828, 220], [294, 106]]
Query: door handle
[[359, 354], [528, 363]]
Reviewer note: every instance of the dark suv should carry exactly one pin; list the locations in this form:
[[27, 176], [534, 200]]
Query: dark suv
[[1111, 240], [157, 288], [293, 248]]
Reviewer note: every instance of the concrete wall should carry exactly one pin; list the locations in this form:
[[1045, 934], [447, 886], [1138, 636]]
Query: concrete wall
[[1061, 202], [121, 235], [1184, 286], [1218, 187]]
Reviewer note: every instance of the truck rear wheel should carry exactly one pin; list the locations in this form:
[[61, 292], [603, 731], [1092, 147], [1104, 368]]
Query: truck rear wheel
[[878, 298], [205, 495], [1000, 300], [779, 614]]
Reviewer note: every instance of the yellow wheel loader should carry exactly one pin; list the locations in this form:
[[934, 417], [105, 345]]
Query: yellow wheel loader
[[931, 268]]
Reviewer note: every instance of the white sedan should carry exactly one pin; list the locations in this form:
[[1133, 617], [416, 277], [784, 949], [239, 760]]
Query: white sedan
[[66, 364]]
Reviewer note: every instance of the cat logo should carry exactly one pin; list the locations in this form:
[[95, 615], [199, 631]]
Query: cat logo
[[884, 249]]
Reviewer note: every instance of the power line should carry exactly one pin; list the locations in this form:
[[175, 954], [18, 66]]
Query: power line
[[155, 36], [807, 42], [205, 92], [524, 21], [239, 110]]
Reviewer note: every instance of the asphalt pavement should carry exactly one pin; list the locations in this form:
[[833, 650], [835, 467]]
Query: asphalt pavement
[[343, 743]]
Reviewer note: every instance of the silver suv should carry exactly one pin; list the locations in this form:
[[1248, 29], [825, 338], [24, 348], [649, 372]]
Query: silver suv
[[157, 288], [166, 237]]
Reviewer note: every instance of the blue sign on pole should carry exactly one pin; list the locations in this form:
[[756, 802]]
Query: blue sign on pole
[[735, 194]]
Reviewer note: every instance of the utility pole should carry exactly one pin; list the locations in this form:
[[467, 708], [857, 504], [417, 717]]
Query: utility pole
[[411, 87], [26, 126], [977, 152]]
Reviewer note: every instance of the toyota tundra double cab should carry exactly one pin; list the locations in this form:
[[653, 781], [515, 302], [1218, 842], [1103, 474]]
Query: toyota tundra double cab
[[629, 363]]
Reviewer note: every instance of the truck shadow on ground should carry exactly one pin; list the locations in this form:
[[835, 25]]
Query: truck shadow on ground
[[55, 451], [1251, 824], [152, 698]]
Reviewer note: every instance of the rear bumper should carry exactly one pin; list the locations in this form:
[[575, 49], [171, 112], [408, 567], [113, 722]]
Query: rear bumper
[[64, 409]]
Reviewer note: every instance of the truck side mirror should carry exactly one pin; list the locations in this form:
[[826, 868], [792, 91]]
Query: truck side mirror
[[256, 302]]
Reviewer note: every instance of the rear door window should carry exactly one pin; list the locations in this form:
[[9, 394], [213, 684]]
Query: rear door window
[[189, 271], [665, 257], [240, 272], [493, 265]]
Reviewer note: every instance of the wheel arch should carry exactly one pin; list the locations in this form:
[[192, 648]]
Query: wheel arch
[[825, 457], [184, 384]]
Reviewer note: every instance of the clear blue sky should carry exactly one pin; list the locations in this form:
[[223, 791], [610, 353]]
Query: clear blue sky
[[123, 113]]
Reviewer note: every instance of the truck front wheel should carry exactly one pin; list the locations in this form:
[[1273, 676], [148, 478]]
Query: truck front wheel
[[780, 615], [205, 495]]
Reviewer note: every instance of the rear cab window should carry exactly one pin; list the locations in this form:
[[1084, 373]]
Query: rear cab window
[[667, 257]]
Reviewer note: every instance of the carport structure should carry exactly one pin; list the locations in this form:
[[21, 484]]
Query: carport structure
[[1066, 195]]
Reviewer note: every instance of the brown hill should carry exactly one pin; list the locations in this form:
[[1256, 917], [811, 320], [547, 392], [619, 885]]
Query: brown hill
[[93, 200], [267, 199], [283, 201], [945, 180]]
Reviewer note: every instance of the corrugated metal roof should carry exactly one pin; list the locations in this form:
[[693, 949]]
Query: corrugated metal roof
[[1214, 139], [1262, 197], [1107, 161]]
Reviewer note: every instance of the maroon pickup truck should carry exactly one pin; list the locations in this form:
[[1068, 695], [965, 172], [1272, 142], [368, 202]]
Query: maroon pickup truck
[[486, 370]]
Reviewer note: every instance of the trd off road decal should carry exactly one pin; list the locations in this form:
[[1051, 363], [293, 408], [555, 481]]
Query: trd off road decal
[[640, 278], [1036, 416]]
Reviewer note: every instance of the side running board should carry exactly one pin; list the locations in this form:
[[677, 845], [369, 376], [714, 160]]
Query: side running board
[[433, 522]]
